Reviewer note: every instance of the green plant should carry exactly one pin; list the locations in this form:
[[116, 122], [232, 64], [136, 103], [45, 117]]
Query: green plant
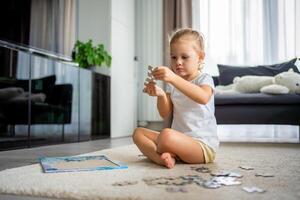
[[87, 55]]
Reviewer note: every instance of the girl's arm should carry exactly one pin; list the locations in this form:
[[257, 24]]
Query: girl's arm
[[164, 105], [199, 93]]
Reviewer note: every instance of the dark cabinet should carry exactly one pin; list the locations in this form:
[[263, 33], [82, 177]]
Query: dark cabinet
[[100, 105]]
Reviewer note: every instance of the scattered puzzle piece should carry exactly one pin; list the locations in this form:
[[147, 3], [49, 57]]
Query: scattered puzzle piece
[[201, 169], [253, 189], [125, 183], [246, 167], [176, 189], [264, 174]]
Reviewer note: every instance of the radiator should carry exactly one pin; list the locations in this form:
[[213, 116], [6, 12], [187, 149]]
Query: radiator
[[148, 52]]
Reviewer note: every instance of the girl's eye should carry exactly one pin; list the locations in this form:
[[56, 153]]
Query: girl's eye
[[185, 57], [173, 57]]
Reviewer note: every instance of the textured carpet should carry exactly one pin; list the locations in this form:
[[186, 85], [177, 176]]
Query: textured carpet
[[282, 160]]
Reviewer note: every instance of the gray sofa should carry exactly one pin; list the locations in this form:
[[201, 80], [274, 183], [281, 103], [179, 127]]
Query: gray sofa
[[256, 108]]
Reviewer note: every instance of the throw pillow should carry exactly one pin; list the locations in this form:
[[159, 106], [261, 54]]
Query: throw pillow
[[227, 72]]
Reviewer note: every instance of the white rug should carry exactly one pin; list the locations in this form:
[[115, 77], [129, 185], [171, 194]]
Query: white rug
[[96, 185]]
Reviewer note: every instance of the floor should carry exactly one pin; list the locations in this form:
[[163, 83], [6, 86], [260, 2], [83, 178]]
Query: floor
[[16, 158]]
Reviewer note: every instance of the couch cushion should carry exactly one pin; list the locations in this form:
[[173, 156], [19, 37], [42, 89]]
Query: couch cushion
[[256, 98], [258, 114], [227, 72]]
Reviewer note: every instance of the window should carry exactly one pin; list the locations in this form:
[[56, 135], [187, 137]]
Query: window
[[249, 32]]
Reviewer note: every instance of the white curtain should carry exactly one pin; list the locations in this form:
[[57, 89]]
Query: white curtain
[[52, 25], [249, 32]]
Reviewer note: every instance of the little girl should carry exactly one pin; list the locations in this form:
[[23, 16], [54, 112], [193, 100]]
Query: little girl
[[189, 98]]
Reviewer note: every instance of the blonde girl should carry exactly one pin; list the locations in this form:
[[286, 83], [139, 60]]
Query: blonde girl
[[189, 97]]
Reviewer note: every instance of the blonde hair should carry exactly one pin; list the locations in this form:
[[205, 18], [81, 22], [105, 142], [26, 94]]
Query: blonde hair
[[191, 34], [188, 33]]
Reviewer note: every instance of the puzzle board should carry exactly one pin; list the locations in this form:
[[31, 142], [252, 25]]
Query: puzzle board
[[79, 163]]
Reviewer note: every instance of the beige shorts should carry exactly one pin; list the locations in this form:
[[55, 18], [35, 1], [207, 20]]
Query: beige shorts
[[209, 154]]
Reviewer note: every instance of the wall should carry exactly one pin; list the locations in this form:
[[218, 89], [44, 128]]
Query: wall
[[123, 82], [93, 21], [112, 23]]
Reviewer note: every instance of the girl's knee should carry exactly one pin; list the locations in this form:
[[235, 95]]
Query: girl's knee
[[136, 134], [164, 139], [165, 134]]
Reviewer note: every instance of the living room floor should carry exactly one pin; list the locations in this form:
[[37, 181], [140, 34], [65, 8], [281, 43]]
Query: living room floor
[[21, 157]]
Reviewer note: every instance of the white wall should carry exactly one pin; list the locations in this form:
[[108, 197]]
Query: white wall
[[93, 21], [112, 23], [123, 71]]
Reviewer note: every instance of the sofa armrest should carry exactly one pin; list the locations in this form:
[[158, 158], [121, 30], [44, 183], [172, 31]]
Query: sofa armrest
[[61, 95], [216, 80]]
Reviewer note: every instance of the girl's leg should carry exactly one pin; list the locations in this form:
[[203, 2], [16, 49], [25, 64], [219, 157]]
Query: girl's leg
[[181, 145], [145, 139]]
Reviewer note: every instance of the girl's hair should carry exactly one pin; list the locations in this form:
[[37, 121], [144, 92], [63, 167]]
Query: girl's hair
[[191, 34]]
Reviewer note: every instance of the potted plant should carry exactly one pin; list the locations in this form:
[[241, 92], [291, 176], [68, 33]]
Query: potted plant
[[87, 55]]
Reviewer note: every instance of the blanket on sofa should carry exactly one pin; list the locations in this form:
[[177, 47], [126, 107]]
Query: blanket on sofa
[[18, 95]]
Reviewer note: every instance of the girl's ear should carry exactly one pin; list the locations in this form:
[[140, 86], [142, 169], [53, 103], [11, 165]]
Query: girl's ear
[[201, 55]]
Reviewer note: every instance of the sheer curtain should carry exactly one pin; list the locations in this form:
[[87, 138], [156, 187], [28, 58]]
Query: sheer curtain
[[176, 14], [250, 32], [52, 25]]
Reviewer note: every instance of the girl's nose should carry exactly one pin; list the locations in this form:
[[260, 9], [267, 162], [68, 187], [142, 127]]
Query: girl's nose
[[179, 61]]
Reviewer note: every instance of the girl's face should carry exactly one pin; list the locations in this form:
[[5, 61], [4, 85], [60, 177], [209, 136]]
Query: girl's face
[[185, 59]]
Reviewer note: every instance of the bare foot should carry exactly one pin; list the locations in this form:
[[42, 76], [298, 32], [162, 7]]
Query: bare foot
[[168, 160]]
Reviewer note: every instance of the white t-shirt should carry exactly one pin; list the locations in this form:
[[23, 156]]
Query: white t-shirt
[[194, 119]]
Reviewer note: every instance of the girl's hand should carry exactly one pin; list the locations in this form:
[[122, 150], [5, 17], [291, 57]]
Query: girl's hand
[[164, 74], [153, 90]]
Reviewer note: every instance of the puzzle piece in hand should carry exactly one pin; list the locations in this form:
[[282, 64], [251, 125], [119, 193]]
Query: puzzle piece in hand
[[150, 77]]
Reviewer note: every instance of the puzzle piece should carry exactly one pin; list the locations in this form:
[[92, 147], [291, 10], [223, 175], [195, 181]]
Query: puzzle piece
[[150, 77], [175, 181], [226, 180], [125, 183], [201, 169], [246, 167], [176, 189], [220, 173], [264, 174], [253, 189], [210, 184]]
